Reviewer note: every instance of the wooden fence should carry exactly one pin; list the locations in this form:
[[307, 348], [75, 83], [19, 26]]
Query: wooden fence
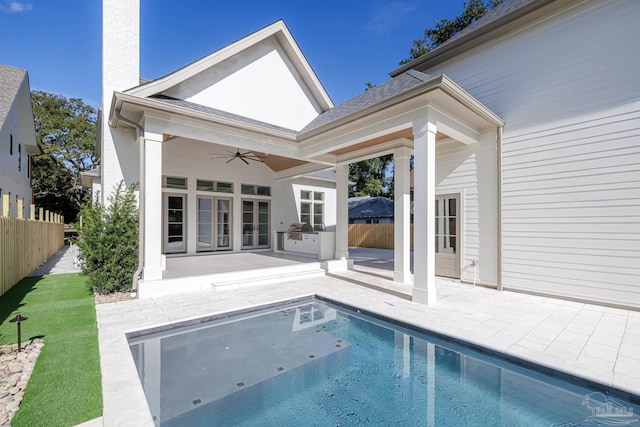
[[26, 243], [378, 236]]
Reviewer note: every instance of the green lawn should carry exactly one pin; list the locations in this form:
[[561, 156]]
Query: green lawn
[[65, 388]]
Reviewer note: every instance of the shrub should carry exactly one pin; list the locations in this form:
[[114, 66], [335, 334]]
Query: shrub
[[109, 240]]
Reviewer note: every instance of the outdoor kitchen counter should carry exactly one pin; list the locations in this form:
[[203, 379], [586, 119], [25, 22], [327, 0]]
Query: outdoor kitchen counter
[[321, 244]]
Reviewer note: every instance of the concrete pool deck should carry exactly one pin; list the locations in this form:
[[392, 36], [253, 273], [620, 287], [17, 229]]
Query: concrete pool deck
[[600, 344]]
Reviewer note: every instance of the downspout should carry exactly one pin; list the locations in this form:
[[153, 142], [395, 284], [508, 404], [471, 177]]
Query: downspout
[[138, 272], [499, 167]]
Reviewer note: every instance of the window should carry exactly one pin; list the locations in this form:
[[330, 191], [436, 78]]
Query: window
[[28, 166], [19, 157], [11, 144], [220, 187], [312, 208], [260, 190], [175, 182]]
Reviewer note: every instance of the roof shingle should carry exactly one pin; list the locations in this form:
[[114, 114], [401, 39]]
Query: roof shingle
[[10, 80]]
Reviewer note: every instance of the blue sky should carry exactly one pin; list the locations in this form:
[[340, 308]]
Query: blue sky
[[347, 42]]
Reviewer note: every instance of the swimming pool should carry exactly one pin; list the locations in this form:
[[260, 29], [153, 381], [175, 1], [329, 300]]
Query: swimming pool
[[313, 362]]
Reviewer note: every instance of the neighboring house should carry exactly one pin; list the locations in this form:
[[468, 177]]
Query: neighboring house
[[17, 139], [370, 210], [524, 130]]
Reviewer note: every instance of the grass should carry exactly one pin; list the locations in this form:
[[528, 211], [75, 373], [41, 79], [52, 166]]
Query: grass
[[65, 388]]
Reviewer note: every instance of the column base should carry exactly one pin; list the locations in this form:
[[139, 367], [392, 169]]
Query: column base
[[341, 255], [424, 296], [402, 277], [151, 273]]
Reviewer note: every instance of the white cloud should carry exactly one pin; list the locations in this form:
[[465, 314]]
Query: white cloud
[[390, 16], [17, 7]]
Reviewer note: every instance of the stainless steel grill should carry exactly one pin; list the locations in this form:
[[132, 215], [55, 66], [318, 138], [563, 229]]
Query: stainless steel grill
[[297, 229]]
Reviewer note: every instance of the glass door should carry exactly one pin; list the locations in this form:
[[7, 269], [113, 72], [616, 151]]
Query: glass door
[[205, 224], [255, 224], [174, 231], [447, 235], [223, 224]]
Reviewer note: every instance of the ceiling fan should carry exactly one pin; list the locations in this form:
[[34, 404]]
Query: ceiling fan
[[247, 155]]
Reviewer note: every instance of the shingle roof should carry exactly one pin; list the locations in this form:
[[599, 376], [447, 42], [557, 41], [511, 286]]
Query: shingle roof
[[395, 86], [10, 80], [220, 113], [371, 207], [494, 14], [329, 175]]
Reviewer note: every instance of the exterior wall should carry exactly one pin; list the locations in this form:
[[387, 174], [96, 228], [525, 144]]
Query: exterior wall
[[192, 160], [470, 170], [260, 83], [120, 70], [19, 123], [287, 210], [567, 89]]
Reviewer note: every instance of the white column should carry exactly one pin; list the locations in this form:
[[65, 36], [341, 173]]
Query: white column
[[424, 193], [151, 185], [401, 215], [342, 212]]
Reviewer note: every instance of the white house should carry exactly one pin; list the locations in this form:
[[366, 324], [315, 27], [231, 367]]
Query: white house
[[17, 138], [524, 131]]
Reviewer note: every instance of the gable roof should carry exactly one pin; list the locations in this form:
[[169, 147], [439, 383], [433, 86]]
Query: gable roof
[[278, 30], [10, 81], [498, 21], [370, 207]]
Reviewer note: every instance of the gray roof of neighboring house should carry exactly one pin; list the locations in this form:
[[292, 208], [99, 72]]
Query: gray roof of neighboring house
[[370, 207], [10, 80], [220, 113], [395, 86]]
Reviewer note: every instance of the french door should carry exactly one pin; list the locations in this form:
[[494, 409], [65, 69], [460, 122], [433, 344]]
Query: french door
[[214, 223], [174, 223], [448, 235], [255, 224]]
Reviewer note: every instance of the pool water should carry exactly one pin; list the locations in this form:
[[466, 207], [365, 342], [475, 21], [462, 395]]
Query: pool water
[[316, 363]]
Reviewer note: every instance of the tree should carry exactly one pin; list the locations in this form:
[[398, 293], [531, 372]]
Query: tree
[[109, 240], [447, 28], [371, 177], [66, 131]]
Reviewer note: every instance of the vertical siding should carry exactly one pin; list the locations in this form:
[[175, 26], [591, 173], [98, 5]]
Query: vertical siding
[[568, 90]]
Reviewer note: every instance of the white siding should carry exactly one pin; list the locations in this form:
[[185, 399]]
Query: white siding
[[568, 90], [470, 171], [19, 124]]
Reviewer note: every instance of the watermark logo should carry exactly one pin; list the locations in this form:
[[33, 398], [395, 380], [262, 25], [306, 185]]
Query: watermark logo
[[605, 410]]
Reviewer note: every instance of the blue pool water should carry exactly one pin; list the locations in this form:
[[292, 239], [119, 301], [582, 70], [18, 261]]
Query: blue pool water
[[316, 363]]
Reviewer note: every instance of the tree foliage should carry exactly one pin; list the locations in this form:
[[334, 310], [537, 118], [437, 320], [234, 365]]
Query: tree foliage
[[109, 240], [445, 28], [66, 131], [371, 177]]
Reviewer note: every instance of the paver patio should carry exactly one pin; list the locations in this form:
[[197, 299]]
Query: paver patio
[[597, 343]]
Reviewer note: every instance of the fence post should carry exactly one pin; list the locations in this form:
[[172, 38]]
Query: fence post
[[5, 205], [20, 208], [40, 214], [32, 212]]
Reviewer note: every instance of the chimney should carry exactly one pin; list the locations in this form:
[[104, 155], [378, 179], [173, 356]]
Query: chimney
[[120, 71]]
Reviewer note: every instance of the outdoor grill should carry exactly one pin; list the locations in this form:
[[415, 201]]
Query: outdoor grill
[[297, 229]]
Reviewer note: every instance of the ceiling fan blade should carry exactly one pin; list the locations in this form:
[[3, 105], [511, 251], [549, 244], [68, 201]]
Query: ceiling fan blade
[[242, 158], [230, 160], [252, 158]]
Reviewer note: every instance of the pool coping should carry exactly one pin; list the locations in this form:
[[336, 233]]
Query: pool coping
[[124, 399]]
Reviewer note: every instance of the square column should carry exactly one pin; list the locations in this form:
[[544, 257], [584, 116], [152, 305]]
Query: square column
[[151, 205], [402, 215], [342, 212], [424, 194]]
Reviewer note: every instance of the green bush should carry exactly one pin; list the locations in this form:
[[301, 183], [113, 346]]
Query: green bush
[[109, 240]]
